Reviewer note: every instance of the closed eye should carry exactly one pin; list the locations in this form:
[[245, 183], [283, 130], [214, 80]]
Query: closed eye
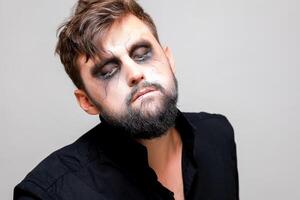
[[141, 54], [108, 70]]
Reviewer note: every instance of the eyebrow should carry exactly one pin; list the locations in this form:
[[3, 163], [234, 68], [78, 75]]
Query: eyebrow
[[110, 57]]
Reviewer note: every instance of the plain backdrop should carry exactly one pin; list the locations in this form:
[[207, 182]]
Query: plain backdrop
[[235, 57]]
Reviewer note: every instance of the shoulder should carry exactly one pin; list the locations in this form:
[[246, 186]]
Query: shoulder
[[59, 165], [204, 120], [215, 151], [214, 128], [196, 117]]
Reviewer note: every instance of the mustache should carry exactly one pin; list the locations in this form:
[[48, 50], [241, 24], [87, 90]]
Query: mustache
[[145, 84]]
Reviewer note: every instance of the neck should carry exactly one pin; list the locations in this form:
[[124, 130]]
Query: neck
[[163, 151], [164, 156]]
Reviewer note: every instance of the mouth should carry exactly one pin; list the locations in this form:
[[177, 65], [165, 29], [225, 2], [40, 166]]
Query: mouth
[[142, 92]]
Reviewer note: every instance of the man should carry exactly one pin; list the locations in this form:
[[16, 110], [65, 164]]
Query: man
[[144, 147]]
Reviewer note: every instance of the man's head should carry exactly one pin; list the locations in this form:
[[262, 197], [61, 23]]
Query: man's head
[[111, 51], [80, 35]]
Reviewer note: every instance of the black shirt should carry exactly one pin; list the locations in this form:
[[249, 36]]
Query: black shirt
[[106, 164]]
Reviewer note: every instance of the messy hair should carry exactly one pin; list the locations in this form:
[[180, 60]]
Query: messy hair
[[81, 33]]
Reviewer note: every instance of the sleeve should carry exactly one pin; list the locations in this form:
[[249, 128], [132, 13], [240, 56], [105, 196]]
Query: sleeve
[[234, 158], [28, 190]]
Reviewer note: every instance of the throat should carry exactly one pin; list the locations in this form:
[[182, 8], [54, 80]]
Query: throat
[[171, 177], [165, 158]]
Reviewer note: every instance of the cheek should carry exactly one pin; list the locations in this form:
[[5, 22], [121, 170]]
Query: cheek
[[110, 93], [159, 64], [115, 91], [158, 72]]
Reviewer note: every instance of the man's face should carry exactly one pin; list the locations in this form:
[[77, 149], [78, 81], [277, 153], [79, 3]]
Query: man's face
[[134, 79]]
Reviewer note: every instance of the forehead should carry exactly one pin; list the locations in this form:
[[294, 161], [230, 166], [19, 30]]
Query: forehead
[[125, 32]]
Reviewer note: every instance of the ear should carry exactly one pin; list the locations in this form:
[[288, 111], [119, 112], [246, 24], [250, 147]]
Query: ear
[[85, 103], [170, 57]]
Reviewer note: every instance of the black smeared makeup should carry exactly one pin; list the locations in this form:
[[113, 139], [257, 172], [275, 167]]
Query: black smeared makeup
[[141, 51], [145, 55], [139, 44], [95, 71]]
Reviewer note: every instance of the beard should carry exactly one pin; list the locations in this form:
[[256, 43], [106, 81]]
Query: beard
[[143, 124]]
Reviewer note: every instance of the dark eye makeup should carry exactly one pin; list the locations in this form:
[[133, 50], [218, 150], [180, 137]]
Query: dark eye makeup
[[106, 70], [141, 54]]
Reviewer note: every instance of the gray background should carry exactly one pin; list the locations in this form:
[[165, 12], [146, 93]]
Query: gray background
[[235, 57]]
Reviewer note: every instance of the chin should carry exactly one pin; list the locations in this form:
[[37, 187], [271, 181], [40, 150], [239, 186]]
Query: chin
[[151, 106]]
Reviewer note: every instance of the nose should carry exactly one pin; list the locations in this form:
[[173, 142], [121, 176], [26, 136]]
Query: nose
[[134, 73]]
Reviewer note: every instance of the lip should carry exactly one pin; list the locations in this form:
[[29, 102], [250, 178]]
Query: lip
[[142, 92]]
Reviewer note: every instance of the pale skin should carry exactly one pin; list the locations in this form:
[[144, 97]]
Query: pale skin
[[164, 155], [125, 35]]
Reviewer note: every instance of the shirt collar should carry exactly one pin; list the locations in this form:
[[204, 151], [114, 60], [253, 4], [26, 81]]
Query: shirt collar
[[127, 152], [187, 132]]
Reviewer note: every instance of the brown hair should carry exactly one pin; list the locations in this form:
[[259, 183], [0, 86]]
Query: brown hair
[[91, 19]]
